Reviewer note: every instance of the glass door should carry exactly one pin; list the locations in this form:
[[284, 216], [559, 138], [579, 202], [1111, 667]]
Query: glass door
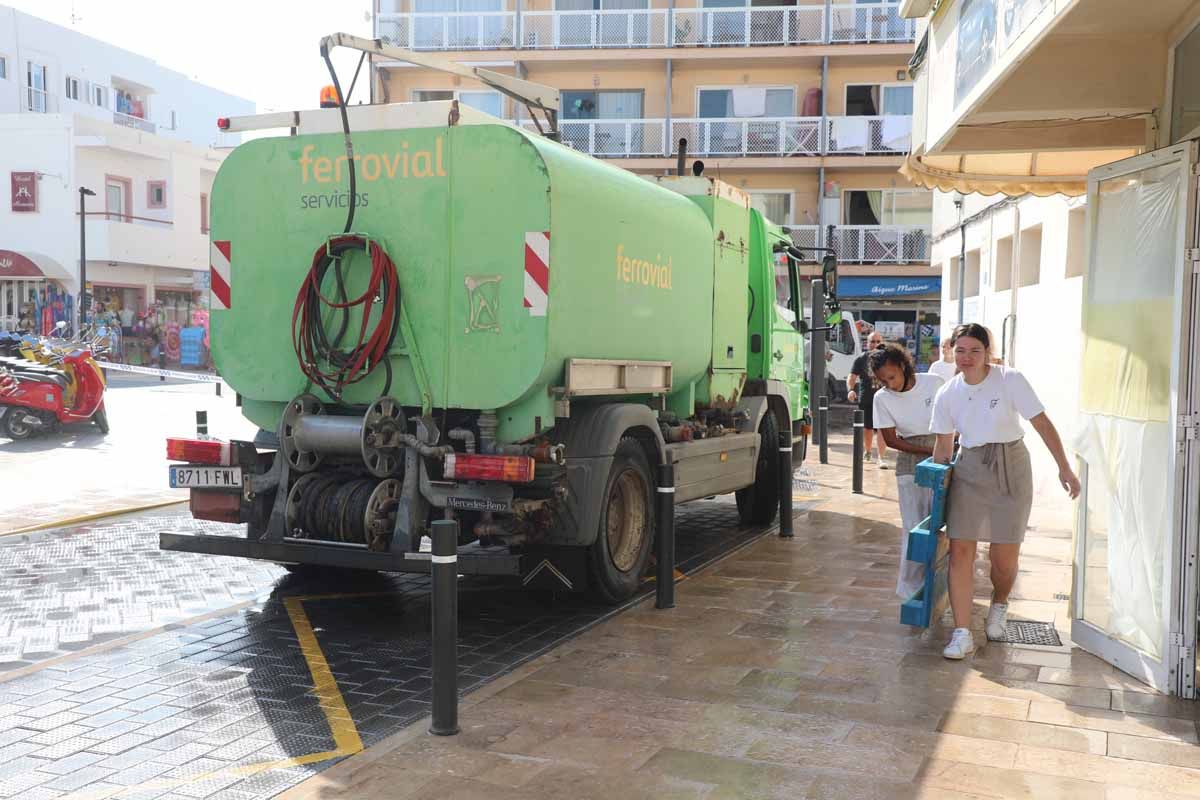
[[1134, 601]]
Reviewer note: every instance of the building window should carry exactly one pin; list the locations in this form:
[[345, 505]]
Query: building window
[[887, 207], [1076, 246], [1004, 264], [100, 96], [775, 206], [879, 100], [117, 198], [35, 87], [602, 105], [72, 88], [487, 102], [174, 121], [1185, 88], [746, 101], [156, 194], [3, 67], [1029, 268], [204, 214]]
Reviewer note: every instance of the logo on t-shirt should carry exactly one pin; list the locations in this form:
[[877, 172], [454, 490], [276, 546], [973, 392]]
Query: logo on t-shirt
[[994, 403]]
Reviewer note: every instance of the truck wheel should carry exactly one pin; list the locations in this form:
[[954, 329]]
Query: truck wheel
[[759, 503], [618, 556], [100, 418]]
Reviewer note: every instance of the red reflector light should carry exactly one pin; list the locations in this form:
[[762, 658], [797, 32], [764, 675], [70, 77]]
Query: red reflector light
[[199, 451], [510, 469], [223, 123]]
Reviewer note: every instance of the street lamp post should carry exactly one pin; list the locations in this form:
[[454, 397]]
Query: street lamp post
[[84, 193]]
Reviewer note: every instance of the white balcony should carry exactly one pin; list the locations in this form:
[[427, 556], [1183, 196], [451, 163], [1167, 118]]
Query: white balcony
[[865, 23], [759, 25], [484, 30], [613, 138], [867, 244], [144, 240], [557, 30], [137, 123], [869, 23], [752, 136], [868, 135]]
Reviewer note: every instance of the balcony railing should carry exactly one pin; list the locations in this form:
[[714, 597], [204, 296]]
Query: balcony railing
[[484, 30], [760, 25], [862, 23], [647, 27], [754, 136], [868, 244], [748, 137], [555, 30], [130, 121], [868, 135]]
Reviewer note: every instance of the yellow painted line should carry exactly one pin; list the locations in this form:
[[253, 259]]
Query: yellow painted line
[[329, 697], [69, 521], [345, 735]]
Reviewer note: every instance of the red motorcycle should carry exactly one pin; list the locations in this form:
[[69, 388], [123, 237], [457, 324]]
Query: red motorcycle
[[37, 403]]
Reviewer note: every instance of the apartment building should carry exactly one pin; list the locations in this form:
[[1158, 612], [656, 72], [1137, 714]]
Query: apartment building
[[807, 106], [77, 113], [1067, 132]]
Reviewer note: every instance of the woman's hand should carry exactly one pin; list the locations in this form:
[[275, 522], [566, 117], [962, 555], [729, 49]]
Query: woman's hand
[[852, 396], [1069, 482]]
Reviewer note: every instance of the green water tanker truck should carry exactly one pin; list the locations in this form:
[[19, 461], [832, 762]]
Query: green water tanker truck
[[484, 324]]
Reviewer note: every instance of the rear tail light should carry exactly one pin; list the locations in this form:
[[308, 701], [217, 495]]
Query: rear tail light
[[510, 469], [200, 451]]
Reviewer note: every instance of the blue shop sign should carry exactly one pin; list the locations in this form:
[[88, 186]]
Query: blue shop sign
[[857, 286]]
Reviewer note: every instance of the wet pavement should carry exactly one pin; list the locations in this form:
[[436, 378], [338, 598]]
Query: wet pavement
[[130, 672]]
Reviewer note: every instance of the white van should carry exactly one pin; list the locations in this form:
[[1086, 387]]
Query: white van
[[841, 349]]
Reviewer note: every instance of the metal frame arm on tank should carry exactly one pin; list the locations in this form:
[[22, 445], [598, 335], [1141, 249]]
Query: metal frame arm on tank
[[533, 95]]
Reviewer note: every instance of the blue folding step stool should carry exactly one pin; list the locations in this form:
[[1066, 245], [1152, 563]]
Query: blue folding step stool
[[928, 544]]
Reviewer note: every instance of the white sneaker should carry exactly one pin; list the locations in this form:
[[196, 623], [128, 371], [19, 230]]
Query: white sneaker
[[883, 464], [997, 622], [961, 644]]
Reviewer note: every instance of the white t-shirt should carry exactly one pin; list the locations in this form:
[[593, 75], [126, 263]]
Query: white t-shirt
[[988, 411], [908, 412], [943, 369]]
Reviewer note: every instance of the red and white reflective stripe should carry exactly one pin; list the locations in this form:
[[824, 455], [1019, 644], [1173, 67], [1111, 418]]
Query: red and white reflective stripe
[[219, 263], [537, 272]]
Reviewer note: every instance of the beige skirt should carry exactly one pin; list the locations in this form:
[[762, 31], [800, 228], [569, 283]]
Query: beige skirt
[[991, 493]]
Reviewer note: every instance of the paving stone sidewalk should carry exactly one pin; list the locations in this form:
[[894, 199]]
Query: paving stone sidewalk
[[784, 673]]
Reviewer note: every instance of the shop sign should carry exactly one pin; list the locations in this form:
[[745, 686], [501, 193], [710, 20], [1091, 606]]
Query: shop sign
[[201, 281], [858, 286], [890, 329], [24, 191]]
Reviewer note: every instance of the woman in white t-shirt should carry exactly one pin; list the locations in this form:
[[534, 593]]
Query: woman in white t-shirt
[[991, 489], [902, 412]]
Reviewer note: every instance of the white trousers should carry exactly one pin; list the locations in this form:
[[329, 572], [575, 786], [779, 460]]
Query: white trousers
[[914, 507]]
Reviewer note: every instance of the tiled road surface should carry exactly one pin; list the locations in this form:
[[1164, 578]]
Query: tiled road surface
[[225, 706]]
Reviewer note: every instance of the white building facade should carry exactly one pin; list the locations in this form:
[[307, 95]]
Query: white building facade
[[78, 113]]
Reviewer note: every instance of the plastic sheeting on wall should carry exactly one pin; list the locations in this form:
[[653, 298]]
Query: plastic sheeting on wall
[[1130, 341]]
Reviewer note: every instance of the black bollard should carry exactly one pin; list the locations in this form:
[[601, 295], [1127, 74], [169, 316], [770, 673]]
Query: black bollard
[[444, 602], [664, 590], [785, 486], [856, 474], [202, 423], [823, 427]]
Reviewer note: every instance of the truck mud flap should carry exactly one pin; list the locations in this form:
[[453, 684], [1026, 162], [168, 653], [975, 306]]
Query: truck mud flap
[[472, 559]]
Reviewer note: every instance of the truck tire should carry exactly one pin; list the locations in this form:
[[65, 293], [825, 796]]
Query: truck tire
[[617, 559], [759, 503]]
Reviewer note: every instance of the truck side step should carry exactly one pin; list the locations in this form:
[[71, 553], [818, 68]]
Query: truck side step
[[472, 559]]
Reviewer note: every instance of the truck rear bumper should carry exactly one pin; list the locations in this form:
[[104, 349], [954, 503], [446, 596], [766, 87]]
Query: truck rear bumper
[[472, 559]]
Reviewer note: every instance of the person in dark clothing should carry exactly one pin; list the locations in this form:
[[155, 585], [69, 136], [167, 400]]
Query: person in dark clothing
[[861, 387]]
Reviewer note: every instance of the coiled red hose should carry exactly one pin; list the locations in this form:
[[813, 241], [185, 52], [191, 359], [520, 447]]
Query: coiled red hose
[[323, 361]]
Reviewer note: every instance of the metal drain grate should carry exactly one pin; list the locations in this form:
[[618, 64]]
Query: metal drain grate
[[1020, 632]]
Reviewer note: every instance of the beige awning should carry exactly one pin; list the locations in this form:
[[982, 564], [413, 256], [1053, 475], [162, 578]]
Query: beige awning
[[1014, 174]]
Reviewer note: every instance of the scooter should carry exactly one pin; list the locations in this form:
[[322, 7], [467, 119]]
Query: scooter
[[63, 389]]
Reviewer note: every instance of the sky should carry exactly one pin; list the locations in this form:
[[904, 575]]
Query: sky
[[263, 50]]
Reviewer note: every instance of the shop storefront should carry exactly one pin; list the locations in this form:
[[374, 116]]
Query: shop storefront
[[905, 310], [33, 293]]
